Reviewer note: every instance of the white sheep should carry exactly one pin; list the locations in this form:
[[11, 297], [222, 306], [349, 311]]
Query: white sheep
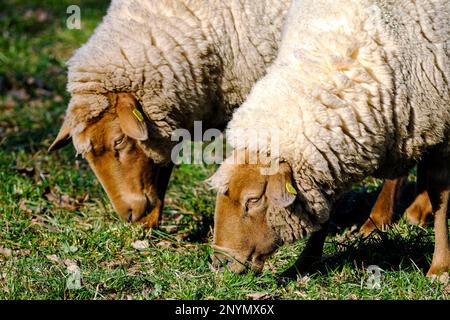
[[359, 88], [177, 61]]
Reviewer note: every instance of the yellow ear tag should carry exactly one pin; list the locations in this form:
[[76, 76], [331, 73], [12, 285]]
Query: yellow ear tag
[[290, 188], [138, 115]]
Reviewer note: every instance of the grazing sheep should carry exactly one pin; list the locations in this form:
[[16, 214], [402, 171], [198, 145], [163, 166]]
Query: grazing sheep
[[359, 88], [155, 66]]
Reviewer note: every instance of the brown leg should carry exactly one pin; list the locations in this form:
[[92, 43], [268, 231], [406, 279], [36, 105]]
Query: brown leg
[[420, 209], [310, 255], [381, 215], [438, 191]]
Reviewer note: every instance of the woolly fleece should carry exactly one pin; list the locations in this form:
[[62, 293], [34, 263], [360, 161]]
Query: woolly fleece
[[360, 88], [183, 60]]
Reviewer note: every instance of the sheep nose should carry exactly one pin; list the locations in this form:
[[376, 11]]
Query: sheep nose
[[133, 216], [134, 210], [138, 213]]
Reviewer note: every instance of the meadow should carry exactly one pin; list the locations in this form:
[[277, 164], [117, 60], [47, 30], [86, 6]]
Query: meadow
[[61, 239]]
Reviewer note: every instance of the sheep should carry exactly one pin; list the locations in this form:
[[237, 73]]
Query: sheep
[[359, 88], [152, 67]]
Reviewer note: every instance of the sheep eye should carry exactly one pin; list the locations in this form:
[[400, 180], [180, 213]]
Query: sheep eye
[[250, 203], [119, 142]]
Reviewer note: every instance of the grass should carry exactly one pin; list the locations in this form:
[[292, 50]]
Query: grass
[[55, 217]]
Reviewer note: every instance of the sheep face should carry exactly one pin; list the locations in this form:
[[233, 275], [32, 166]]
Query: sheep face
[[110, 144], [242, 234]]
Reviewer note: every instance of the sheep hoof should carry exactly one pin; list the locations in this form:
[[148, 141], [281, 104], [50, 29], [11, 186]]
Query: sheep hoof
[[437, 270], [371, 225], [419, 212], [367, 228], [440, 265]]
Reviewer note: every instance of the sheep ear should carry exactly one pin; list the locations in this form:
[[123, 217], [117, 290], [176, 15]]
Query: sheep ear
[[220, 179], [63, 138], [280, 190], [131, 119]]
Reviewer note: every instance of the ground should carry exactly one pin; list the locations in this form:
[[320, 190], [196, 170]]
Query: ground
[[60, 238]]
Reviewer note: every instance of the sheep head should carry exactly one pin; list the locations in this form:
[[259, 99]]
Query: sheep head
[[109, 137], [255, 214]]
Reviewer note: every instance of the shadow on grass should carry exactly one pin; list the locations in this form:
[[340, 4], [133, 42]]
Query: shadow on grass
[[29, 141], [398, 248], [356, 206], [391, 251]]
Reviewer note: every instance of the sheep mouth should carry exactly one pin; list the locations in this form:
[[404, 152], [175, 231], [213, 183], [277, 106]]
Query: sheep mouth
[[238, 263], [226, 258]]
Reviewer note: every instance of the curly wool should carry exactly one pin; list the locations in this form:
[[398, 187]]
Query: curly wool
[[360, 88], [183, 60], [291, 223]]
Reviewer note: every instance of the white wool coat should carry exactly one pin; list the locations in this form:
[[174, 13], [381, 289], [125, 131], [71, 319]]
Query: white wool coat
[[360, 87], [184, 60]]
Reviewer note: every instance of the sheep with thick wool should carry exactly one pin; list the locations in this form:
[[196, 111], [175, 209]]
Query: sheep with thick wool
[[152, 67], [182, 60], [359, 88]]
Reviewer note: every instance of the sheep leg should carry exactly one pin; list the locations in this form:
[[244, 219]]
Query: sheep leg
[[311, 254], [383, 210], [438, 191], [420, 209]]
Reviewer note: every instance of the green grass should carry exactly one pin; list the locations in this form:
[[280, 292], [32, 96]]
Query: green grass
[[49, 225]]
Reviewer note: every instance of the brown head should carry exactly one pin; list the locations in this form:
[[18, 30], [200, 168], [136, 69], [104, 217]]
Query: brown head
[[110, 142], [243, 234]]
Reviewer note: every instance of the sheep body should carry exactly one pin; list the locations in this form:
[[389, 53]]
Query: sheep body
[[359, 88], [184, 60]]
